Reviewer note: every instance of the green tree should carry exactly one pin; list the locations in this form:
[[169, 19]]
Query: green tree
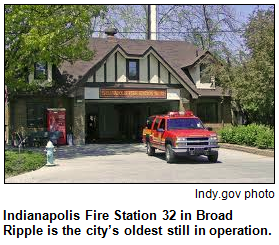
[[50, 33], [259, 68], [250, 74]]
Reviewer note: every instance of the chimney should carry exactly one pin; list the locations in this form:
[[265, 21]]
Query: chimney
[[152, 22], [110, 32]]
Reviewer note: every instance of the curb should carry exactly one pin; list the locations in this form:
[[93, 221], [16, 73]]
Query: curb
[[253, 150]]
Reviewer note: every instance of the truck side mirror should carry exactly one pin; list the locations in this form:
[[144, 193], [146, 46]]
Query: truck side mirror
[[209, 128]]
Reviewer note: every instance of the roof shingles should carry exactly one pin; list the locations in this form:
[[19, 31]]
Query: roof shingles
[[177, 54]]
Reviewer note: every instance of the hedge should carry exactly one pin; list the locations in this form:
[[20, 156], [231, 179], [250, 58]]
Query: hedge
[[252, 135], [17, 163]]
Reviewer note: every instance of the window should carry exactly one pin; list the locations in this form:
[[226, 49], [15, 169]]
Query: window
[[149, 122], [40, 71], [185, 123], [36, 115], [133, 69], [208, 112], [156, 123], [162, 124], [204, 74]]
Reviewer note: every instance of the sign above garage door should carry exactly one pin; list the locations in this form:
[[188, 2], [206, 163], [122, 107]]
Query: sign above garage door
[[133, 93]]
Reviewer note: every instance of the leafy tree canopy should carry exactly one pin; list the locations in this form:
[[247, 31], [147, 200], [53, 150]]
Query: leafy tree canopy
[[250, 75], [51, 33]]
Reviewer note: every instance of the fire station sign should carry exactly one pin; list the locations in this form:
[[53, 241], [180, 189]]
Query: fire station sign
[[133, 93]]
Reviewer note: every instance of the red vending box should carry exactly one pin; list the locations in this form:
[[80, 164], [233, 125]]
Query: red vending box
[[56, 121]]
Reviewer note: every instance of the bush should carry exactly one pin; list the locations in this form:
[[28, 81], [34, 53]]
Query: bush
[[240, 135], [265, 139], [17, 163], [227, 135], [252, 135]]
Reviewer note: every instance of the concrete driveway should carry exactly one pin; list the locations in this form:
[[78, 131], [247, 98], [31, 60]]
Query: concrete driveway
[[128, 163]]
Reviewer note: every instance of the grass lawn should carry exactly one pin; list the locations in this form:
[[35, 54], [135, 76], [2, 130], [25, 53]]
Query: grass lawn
[[25, 161]]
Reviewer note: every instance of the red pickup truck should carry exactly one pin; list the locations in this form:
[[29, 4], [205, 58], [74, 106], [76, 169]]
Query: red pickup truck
[[180, 133]]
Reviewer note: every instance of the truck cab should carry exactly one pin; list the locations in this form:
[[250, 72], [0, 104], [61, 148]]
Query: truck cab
[[180, 133]]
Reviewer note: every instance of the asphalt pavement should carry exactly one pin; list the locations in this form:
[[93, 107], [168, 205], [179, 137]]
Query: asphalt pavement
[[128, 163]]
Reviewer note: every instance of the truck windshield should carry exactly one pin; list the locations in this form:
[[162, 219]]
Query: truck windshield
[[185, 123]]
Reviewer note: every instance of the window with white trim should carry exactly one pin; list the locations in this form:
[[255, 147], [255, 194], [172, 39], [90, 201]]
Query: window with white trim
[[41, 71], [133, 69]]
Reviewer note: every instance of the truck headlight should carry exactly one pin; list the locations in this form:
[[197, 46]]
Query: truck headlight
[[181, 139], [213, 140], [181, 142]]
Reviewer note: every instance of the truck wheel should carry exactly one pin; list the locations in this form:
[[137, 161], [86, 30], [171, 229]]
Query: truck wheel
[[149, 149], [170, 157], [213, 158]]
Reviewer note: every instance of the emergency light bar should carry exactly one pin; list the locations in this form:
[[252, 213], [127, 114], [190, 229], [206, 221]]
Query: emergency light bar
[[180, 113]]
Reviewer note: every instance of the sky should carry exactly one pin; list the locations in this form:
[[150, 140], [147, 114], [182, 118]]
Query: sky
[[242, 13], [246, 10]]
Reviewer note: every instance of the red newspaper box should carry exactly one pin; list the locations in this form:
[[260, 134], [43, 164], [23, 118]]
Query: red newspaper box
[[56, 121]]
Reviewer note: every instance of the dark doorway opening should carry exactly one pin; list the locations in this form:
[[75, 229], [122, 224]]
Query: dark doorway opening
[[130, 122], [92, 128], [119, 122]]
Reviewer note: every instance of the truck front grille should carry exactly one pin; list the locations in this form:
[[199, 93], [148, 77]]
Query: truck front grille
[[198, 141]]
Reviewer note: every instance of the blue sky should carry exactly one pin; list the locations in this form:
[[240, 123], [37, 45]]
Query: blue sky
[[246, 10]]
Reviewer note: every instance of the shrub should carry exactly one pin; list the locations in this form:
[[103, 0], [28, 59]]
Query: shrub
[[239, 136], [227, 134], [265, 139], [251, 132], [252, 135], [16, 163]]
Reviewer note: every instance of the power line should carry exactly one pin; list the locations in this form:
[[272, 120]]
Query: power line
[[177, 32]]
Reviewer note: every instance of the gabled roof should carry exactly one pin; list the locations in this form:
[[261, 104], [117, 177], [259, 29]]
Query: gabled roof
[[177, 54]]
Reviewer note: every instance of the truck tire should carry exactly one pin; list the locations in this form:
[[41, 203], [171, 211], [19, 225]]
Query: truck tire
[[170, 157], [149, 149], [213, 157]]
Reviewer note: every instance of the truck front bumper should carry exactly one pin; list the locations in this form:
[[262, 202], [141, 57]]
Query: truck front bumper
[[196, 150]]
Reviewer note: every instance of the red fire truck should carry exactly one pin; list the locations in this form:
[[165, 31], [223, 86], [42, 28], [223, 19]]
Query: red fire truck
[[180, 133]]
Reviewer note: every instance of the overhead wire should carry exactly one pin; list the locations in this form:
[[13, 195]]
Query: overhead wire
[[177, 32]]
